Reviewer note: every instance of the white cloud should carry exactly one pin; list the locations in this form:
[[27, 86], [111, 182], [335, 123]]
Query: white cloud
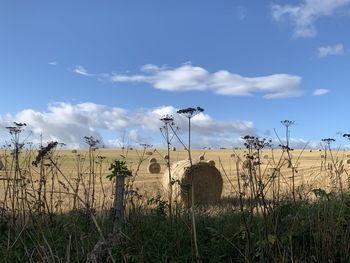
[[192, 78], [299, 143], [304, 15], [326, 51], [81, 70], [69, 123], [202, 123], [320, 92], [53, 63]]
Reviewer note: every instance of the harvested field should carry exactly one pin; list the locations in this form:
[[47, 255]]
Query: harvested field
[[310, 172]]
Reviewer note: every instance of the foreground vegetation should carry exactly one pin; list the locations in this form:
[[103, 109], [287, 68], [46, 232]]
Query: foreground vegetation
[[304, 232], [51, 214]]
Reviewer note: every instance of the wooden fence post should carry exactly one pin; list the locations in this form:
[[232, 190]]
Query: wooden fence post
[[119, 201]]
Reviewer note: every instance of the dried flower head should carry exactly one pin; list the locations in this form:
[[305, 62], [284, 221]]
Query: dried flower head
[[328, 140], [287, 123], [91, 141], [167, 119], [190, 112], [17, 128], [169, 128], [252, 142], [346, 135]]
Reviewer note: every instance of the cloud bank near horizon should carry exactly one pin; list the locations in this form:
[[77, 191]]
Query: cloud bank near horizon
[[69, 123]]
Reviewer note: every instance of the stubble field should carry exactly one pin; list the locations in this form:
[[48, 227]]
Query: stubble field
[[312, 169]]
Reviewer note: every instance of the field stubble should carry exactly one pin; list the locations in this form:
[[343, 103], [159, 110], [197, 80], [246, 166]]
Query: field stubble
[[311, 169]]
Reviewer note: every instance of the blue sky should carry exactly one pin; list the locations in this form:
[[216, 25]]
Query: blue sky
[[112, 68]]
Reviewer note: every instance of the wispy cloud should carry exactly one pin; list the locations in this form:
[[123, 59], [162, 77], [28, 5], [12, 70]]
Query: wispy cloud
[[241, 13], [320, 92], [326, 51], [81, 70], [53, 63], [69, 123], [194, 78], [304, 15]]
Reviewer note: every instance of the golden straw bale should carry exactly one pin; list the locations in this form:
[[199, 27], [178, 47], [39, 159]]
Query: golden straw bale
[[166, 157], [152, 160], [149, 153], [201, 157], [211, 162], [74, 151], [207, 182], [153, 168]]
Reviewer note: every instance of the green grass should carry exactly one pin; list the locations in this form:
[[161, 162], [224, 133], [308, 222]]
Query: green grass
[[306, 232]]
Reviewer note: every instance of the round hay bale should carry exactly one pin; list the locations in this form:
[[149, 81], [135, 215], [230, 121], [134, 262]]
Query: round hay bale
[[207, 182], [166, 157], [322, 156], [2, 166], [153, 168], [211, 162], [266, 156], [74, 151], [174, 149], [233, 155], [149, 153], [201, 157], [152, 160], [348, 161]]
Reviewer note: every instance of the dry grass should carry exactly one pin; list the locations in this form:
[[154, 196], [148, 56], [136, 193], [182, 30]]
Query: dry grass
[[311, 171]]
